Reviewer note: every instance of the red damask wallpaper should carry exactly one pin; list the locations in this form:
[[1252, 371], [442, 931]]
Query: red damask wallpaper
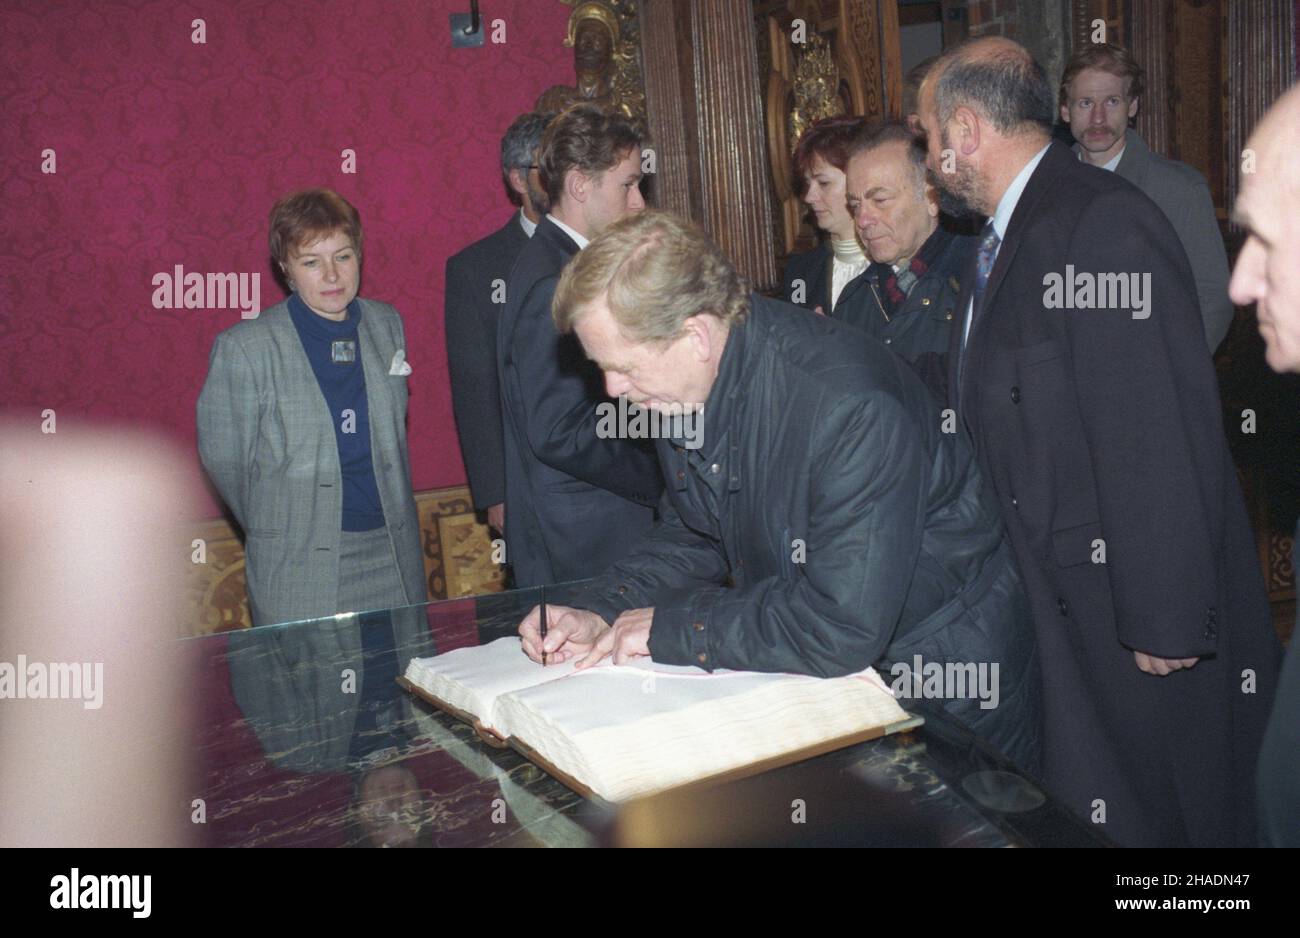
[[129, 148]]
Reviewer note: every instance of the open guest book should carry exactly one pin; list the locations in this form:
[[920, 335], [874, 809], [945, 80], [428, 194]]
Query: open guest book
[[622, 731]]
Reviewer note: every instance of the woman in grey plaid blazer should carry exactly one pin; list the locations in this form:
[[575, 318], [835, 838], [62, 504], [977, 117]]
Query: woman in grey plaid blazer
[[302, 428]]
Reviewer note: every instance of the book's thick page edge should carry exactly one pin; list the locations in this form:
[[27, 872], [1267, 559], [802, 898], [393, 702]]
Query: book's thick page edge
[[489, 737], [739, 772], [912, 722]]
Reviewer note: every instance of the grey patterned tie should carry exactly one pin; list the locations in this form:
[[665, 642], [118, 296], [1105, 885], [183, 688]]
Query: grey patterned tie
[[984, 257], [988, 251]]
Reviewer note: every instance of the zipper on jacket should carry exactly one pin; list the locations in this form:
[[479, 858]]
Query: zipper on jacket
[[879, 303]]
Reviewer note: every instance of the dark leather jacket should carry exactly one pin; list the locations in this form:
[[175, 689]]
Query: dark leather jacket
[[830, 520], [924, 322]]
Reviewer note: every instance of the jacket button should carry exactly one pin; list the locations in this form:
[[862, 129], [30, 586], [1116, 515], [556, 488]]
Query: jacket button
[[680, 474], [680, 451], [701, 657], [699, 626], [715, 468], [622, 589], [1064, 609], [948, 315], [1015, 395], [925, 301], [1014, 502], [889, 341]]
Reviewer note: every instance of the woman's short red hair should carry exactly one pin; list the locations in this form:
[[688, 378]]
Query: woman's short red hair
[[307, 216], [831, 138]]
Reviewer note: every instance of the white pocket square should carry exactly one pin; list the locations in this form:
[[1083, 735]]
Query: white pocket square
[[400, 366]]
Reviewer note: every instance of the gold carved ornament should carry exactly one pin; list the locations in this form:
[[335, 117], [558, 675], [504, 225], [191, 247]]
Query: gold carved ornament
[[815, 88], [808, 81], [616, 83]]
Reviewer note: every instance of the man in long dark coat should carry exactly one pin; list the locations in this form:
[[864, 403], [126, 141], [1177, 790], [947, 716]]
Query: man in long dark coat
[[1081, 373]]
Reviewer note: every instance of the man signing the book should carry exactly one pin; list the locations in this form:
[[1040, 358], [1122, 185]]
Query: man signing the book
[[824, 518]]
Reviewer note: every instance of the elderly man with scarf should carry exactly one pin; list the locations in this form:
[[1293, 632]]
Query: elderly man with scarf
[[917, 264]]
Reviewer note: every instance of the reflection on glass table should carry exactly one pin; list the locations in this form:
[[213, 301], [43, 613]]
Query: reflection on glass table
[[307, 740]]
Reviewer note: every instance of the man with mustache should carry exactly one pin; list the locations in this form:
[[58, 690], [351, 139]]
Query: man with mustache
[[1100, 90]]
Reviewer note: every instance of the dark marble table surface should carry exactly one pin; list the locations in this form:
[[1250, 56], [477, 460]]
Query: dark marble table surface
[[306, 740]]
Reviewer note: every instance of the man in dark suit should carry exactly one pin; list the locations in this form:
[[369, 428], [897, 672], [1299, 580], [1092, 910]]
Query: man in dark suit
[[576, 498], [1268, 275], [1100, 90], [1080, 373], [475, 291]]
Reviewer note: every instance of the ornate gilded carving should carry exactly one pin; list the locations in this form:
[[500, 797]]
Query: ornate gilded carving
[[816, 87], [216, 594], [457, 548], [457, 562], [605, 38], [1280, 573], [822, 76]]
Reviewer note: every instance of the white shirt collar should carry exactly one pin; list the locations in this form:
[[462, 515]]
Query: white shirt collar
[[578, 239], [1007, 204], [528, 226], [1110, 164]]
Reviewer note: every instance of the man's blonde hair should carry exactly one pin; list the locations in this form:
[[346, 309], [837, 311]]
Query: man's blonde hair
[[655, 271]]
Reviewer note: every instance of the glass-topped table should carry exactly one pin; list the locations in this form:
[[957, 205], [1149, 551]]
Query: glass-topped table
[[305, 739]]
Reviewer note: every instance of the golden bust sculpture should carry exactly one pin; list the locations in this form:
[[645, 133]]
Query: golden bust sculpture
[[604, 60]]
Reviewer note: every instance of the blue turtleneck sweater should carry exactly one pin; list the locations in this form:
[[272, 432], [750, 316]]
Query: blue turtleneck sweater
[[344, 387]]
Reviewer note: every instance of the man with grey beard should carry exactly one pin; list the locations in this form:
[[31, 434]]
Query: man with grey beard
[[1098, 426]]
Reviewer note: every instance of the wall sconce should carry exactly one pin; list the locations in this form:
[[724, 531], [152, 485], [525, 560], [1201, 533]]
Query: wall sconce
[[467, 28]]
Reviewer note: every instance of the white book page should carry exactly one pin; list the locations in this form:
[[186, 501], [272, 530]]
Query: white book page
[[623, 731], [471, 679], [614, 695], [600, 697]]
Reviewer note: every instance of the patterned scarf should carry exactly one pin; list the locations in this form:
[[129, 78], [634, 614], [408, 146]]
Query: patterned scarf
[[895, 286]]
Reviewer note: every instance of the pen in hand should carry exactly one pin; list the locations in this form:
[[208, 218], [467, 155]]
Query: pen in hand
[[543, 611]]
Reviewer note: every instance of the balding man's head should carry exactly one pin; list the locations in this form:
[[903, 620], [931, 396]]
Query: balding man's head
[[1275, 141], [1268, 268], [998, 78], [983, 106]]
